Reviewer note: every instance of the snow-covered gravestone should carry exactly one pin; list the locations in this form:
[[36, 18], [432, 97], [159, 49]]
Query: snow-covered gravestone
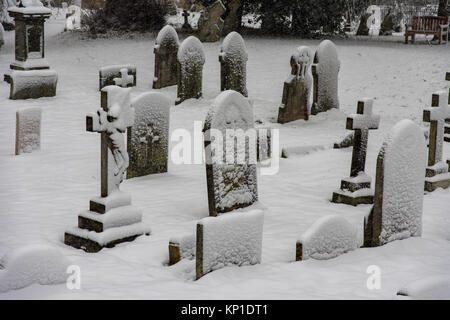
[[356, 189], [230, 153], [120, 75], [295, 102], [437, 173], [398, 201], [327, 238], [73, 18], [234, 239], [148, 138], [111, 218], [233, 64], [165, 50], [28, 130], [325, 70], [210, 23], [191, 58]]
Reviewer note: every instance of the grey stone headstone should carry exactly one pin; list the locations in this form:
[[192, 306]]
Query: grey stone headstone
[[112, 75], [210, 23], [165, 50], [28, 130]]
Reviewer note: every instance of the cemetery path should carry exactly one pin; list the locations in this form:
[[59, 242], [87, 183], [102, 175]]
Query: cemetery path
[[42, 193]]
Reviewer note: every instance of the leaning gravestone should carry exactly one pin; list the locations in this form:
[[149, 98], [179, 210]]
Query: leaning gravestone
[[210, 23], [121, 75], [295, 103], [233, 239], [363, 30], [231, 21], [28, 130], [111, 218], [166, 49], [356, 189], [398, 201], [325, 72], [148, 138], [191, 58], [387, 26], [233, 64], [437, 172], [230, 161]]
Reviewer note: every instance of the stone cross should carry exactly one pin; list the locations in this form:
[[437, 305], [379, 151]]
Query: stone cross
[[124, 79], [112, 121], [363, 121], [186, 25]]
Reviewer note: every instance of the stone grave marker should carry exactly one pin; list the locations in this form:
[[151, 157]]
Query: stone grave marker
[[398, 201], [356, 189], [191, 58], [111, 218], [166, 50], [28, 130], [325, 70], [447, 122], [122, 75], [437, 172], [233, 64], [230, 153], [295, 103], [231, 21], [210, 23], [148, 138]]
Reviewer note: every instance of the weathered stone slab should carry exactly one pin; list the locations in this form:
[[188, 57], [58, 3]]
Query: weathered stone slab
[[166, 50], [181, 247], [28, 130], [148, 138], [398, 201], [31, 84], [115, 75], [210, 23]]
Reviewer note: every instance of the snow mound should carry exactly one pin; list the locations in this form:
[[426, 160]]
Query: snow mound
[[40, 264], [167, 36], [231, 239], [328, 237], [191, 51], [430, 288]]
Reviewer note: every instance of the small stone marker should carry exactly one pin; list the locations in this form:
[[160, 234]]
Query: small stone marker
[[233, 64], [231, 239], [356, 189], [295, 103], [181, 247], [325, 72], [210, 23], [437, 172], [447, 122], [148, 138], [230, 162], [111, 219], [165, 50], [122, 75], [191, 58], [398, 201], [28, 130]]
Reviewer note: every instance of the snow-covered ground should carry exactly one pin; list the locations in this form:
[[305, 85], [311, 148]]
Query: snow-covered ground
[[42, 193]]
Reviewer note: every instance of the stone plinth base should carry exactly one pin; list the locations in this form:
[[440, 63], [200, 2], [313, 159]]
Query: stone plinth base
[[437, 176], [31, 84], [354, 191]]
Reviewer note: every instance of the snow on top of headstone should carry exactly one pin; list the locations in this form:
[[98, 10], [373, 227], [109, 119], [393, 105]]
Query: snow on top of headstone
[[233, 47], [329, 237], [167, 36], [119, 106], [31, 264], [31, 7], [191, 51], [232, 239], [327, 52], [405, 154], [230, 110]]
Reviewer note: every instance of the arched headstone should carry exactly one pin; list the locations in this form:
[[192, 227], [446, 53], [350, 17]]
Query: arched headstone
[[166, 49], [191, 58], [325, 71], [295, 102], [398, 201], [148, 138], [230, 153], [233, 64]]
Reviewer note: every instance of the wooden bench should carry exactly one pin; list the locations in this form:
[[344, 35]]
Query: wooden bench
[[428, 25]]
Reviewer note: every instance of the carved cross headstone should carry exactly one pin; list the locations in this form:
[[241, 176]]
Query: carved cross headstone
[[210, 23], [351, 188], [125, 80], [230, 153], [295, 102], [121, 75], [28, 130], [325, 72], [191, 58], [148, 139], [113, 209], [186, 26], [233, 64], [165, 50], [437, 170], [398, 201]]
